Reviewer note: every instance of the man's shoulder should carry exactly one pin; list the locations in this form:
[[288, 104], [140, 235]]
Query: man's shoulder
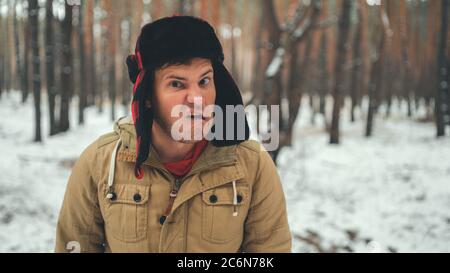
[[123, 124], [251, 146], [106, 139], [101, 145], [252, 153]]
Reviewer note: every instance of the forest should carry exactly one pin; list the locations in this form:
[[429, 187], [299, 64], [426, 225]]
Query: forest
[[367, 77]]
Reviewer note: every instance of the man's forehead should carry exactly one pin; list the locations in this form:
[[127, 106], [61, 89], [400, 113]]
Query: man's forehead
[[195, 66]]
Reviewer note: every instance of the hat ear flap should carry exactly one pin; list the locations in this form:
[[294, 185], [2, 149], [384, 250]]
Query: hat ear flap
[[133, 67], [227, 93], [143, 119]]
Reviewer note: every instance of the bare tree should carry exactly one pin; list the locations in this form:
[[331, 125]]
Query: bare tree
[[323, 77], [26, 56], [103, 82], [285, 41], [33, 12], [406, 73], [8, 73], [357, 81], [90, 54], [67, 70], [50, 65], [342, 51], [82, 94], [111, 60], [125, 49], [442, 88], [376, 74], [2, 62], [19, 64]]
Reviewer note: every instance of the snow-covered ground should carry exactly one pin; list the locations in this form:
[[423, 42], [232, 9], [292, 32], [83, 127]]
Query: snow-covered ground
[[387, 193], [33, 176]]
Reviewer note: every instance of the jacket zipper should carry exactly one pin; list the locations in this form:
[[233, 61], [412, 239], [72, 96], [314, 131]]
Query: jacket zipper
[[173, 194]]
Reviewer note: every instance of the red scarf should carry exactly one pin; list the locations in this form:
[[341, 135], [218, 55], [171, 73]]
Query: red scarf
[[182, 167]]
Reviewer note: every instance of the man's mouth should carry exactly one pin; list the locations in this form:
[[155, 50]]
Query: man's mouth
[[197, 117]]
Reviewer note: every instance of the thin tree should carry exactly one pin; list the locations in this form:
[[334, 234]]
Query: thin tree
[[342, 51], [111, 60], [50, 65], [287, 39], [442, 88], [376, 74], [323, 76], [103, 83], [33, 12], [125, 48], [357, 81], [2, 77], [26, 55], [82, 94], [8, 46], [405, 67], [67, 69], [19, 66], [90, 53]]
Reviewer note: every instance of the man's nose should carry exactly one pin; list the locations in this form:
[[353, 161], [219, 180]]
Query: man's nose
[[194, 95]]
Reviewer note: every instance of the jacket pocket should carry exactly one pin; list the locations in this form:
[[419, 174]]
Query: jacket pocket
[[222, 220], [126, 214]]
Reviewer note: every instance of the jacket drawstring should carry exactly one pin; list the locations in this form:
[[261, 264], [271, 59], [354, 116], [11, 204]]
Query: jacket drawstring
[[112, 166], [235, 213]]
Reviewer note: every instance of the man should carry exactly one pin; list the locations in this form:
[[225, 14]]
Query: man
[[141, 189]]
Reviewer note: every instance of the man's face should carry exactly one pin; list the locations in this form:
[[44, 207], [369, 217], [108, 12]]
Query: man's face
[[182, 85]]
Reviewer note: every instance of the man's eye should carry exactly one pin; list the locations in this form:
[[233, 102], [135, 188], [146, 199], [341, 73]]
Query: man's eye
[[175, 84], [205, 81]]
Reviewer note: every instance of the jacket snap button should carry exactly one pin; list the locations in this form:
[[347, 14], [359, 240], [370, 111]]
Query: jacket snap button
[[137, 198], [239, 198], [113, 196], [213, 198], [162, 219]]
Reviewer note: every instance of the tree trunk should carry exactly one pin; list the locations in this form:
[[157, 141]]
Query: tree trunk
[[376, 78], [111, 62], [344, 31], [357, 64], [19, 66], [50, 65], [442, 89], [26, 57], [324, 82], [67, 70], [82, 94], [33, 13], [7, 47], [126, 43], [90, 54], [2, 78]]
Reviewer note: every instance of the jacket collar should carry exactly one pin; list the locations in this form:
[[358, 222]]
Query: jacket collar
[[211, 157]]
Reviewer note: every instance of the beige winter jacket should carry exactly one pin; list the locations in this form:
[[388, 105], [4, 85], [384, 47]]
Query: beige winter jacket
[[231, 201]]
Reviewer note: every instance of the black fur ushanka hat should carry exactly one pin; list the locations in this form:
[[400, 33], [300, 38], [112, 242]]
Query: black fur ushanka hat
[[174, 40]]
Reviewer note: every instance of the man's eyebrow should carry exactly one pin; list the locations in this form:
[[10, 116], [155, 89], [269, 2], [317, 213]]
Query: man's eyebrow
[[171, 76], [204, 74], [174, 77]]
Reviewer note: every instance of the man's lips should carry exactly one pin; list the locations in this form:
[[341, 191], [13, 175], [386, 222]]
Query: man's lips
[[197, 116]]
